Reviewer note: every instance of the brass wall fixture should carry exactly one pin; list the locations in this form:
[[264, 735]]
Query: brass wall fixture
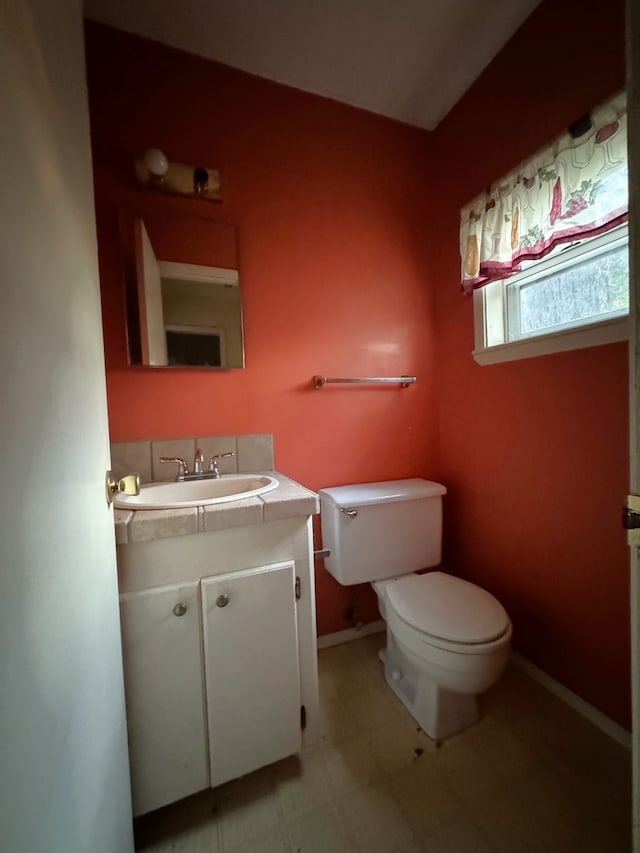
[[155, 171]]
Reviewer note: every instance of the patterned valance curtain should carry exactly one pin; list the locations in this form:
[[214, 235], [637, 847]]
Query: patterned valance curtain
[[576, 187]]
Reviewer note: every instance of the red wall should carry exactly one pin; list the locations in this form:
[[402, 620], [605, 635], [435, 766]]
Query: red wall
[[535, 452], [348, 228], [330, 208]]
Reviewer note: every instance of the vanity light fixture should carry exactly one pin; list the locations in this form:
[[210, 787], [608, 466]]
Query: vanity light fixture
[[154, 170], [157, 165]]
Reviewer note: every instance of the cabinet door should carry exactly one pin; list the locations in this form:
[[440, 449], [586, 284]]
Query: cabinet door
[[251, 663], [162, 650]]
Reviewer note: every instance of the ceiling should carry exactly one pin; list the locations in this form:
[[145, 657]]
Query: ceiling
[[407, 59]]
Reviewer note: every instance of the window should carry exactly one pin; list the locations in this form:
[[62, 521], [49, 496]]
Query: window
[[576, 297], [544, 249], [586, 283]]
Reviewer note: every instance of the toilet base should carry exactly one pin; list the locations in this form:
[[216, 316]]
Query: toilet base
[[439, 712]]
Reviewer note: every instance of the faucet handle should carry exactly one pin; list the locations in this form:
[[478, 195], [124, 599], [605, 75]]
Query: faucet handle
[[183, 470], [213, 461]]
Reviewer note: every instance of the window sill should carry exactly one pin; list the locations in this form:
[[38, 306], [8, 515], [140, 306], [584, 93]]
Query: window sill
[[593, 335]]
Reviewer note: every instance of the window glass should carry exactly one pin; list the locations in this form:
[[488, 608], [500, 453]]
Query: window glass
[[594, 287]]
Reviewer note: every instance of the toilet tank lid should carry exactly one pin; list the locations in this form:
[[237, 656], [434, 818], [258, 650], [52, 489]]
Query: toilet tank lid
[[389, 491]]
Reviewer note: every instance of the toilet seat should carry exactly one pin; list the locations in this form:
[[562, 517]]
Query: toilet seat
[[445, 611]]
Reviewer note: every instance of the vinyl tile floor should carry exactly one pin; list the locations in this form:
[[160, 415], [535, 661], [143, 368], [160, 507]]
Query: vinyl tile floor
[[532, 776]]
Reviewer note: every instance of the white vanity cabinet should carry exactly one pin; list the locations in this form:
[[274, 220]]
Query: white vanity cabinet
[[219, 655]]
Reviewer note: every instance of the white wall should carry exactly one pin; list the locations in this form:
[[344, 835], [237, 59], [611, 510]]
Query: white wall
[[64, 785]]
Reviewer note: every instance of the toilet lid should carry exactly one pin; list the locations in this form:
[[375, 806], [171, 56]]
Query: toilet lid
[[447, 607]]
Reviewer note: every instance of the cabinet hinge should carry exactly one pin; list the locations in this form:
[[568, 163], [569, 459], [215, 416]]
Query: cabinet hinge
[[303, 717], [631, 513], [631, 519], [297, 589]]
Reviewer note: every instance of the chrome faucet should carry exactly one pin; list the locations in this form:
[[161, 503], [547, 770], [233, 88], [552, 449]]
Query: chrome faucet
[[198, 472], [183, 470], [213, 464]]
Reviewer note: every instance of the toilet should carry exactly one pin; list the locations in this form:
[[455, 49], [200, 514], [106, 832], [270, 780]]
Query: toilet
[[447, 639]]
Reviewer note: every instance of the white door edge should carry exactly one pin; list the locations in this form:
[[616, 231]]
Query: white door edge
[[633, 92]]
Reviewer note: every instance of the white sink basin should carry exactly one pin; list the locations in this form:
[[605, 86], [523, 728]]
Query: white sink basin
[[229, 487]]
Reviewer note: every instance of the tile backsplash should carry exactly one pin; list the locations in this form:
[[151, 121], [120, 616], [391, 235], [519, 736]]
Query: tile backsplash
[[252, 453]]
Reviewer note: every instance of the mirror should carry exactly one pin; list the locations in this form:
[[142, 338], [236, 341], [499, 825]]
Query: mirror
[[184, 306]]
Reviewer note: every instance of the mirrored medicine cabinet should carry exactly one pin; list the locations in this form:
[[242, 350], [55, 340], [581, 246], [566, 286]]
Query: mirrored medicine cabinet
[[184, 303]]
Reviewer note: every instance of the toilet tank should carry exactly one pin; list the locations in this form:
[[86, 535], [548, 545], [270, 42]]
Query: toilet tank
[[381, 530]]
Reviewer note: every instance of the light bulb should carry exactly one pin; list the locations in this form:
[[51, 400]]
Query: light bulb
[[156, 162]]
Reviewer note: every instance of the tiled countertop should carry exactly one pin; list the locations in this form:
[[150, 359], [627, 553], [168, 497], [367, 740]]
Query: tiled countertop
[[289, 500]]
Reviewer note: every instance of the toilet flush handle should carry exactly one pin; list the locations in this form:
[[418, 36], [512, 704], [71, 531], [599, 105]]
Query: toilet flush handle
[[352, 513]]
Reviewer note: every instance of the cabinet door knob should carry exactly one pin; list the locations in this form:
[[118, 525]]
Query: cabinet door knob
[[222, 600], [180, 609]]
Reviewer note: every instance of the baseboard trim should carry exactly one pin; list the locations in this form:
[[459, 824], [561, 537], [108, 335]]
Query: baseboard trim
[[607, 725], [335, 639]]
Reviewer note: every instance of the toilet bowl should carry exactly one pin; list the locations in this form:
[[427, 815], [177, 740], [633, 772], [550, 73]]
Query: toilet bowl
[[447, 639]]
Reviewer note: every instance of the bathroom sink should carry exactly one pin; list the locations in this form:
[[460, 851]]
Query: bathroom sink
[[229, 487]]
